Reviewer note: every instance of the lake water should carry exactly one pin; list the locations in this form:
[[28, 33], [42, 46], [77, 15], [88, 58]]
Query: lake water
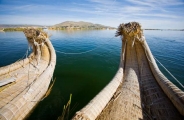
[[84, 75]]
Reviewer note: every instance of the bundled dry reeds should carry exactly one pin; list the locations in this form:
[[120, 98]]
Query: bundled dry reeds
[[139, 90], [32, 78]]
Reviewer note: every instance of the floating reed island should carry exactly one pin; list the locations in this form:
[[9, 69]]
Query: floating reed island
[[139, 90], [24, 83]]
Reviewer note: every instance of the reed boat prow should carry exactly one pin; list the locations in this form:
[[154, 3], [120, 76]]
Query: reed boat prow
[[139, 90], [24, 83]]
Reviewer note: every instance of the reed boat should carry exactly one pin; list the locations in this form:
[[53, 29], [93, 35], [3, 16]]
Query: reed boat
[[139, 90], [24, 83]]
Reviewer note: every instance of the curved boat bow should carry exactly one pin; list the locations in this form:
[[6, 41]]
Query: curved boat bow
[[24, 83]]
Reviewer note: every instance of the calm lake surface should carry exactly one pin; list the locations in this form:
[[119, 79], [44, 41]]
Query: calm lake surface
[[84, 75]]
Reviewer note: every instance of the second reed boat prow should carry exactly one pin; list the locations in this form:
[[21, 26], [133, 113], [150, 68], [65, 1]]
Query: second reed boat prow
[[139, 90]]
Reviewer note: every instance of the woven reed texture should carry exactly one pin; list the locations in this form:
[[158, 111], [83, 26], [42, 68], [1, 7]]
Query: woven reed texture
[[175, 94], [128, 103], [153, 102], [32, 81], [144, 92]]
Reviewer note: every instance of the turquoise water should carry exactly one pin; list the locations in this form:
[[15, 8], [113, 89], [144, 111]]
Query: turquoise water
[[84, 75]]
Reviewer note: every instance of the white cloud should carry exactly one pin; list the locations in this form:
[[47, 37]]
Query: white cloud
[[157, 3], [158, 15]]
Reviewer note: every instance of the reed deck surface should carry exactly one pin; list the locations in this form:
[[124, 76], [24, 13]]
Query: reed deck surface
[[139, 96], [25, 76]]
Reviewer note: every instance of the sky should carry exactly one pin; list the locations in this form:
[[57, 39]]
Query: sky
[[163, 14]]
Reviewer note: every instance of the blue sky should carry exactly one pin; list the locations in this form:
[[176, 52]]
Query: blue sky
[[150, 13]]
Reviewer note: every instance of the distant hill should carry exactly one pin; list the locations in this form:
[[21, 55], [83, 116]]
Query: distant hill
[[79, 25]]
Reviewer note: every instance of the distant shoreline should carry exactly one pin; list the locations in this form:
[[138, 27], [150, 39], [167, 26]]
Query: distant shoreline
[[15, 29], [59, 28], [4, 29], [166, 29], [69, 26]]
